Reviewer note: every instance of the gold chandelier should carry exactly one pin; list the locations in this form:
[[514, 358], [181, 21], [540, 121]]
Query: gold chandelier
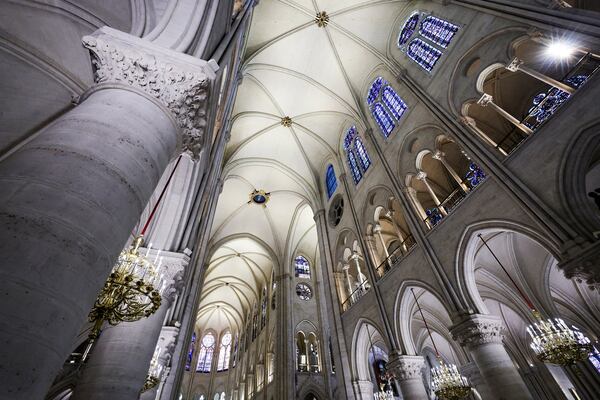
[[132, 291], [553, 341], [446, 381]]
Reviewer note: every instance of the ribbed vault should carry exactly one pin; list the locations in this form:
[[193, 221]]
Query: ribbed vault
[[317, 76]]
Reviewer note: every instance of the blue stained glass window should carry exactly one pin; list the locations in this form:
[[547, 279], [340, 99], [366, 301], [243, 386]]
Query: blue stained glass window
[[395, 104], [302, 267], [423, 54], [408, 29], [385, 122], [375, 89], [350, 135], [475, 175], [437, 30], [330, 181], [362, 154], [356, 174], [545, 104], [595, 359], [190, 355]]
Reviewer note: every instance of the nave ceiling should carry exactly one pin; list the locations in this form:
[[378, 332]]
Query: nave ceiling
[[317, 76]]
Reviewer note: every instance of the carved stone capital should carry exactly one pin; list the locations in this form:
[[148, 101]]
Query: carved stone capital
[[179, 81], [514, 65], [582, 265], [406, 367], [422, 176], [172, 268], [477, 330], [485, 100], [438, 155]]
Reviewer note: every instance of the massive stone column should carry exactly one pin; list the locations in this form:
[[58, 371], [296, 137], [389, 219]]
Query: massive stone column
[[117, 367], [408, 373], [71, 196], [482, 336]]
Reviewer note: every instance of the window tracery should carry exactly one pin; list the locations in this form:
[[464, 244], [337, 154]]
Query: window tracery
[[224, 352], [432, 31], [386, 106], [304, 291], [205, 356], [355, 148]]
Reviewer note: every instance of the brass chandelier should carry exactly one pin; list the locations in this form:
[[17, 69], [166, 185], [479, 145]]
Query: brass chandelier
[[553, 341], [134, 288], [446, 381]]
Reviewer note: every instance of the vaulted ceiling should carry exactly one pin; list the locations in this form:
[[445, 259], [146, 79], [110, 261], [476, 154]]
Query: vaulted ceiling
[[317, 76]]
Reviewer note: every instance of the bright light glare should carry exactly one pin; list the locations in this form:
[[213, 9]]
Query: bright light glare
[[560, 50]]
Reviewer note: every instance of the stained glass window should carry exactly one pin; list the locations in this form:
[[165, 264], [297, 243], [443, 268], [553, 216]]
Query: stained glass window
[[386, 106], [393, 102], [355, 149], [408, 29], [330, 181], [595, 359], [190, 355], [375, 89], [263, 311], [437, 30], [224, 352], [235, 350], [423, 54], [304, 291], [350, 135], [302, 267], [383, 119], [356, 174], [365, 161], [205, 356]]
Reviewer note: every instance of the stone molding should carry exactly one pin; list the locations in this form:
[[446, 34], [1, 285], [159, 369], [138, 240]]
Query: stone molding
[[173, 267], [179, 81], [406, 367], [477, 330]]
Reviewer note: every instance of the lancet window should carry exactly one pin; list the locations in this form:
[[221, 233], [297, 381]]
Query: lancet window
[[224, 352], [205, 356], [358, 158], [330, 181], [302, 267]]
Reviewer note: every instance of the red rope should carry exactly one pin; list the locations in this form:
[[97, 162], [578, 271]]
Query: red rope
[[160, 198]]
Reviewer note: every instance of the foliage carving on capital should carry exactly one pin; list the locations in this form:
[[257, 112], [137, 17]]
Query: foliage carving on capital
[[180, 82], [478, 330], [406, 367]]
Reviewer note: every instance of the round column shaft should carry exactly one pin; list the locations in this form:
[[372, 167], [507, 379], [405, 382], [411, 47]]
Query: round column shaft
[[518, 65], [422, 176], [119, 362], [71, 196], [487, 100], [68, 202], [482, 336]]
